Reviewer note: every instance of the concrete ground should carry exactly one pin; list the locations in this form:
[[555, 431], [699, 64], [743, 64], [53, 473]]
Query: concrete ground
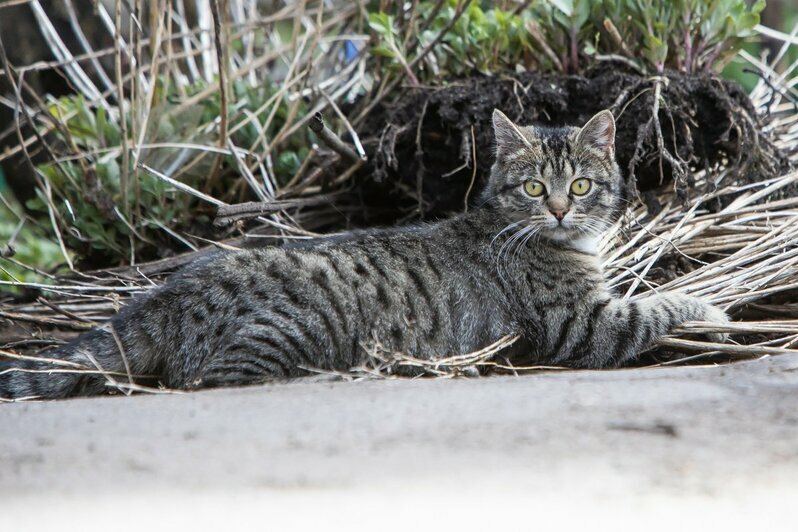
[[692, 448]]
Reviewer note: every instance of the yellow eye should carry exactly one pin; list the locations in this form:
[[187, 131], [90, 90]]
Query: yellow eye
[[580, 187], [534, 188]]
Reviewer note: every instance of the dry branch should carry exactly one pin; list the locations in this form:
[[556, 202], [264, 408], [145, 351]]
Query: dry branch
[[228, 214], [332, 140]]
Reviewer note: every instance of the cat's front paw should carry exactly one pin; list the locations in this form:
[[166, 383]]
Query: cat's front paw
[[716, 315]]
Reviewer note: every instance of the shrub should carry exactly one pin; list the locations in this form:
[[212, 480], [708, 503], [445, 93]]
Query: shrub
[[567, 36]]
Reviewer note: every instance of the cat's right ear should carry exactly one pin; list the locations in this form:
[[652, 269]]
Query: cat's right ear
[[509, 137]]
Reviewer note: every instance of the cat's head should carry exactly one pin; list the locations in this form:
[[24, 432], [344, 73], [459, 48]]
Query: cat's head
[[563, 182]]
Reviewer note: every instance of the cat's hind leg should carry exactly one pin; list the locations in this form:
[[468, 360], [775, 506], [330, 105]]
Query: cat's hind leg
[[255, 353]]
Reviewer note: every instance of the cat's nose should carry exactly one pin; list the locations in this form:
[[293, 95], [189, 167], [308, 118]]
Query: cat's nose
[[559, 213]]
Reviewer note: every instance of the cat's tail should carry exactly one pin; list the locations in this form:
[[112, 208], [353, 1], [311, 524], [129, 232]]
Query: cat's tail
[[85, 366]]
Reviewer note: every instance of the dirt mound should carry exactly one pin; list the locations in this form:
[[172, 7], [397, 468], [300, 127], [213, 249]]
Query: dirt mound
[[423, 146]]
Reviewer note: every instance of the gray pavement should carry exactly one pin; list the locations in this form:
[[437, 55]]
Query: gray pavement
[[675, 444]]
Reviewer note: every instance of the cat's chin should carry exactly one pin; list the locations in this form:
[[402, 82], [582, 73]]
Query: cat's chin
[[561, 233], [576, 239]]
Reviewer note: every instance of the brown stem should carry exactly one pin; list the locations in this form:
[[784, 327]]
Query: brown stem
[[332, 140], [229, 214], [615, 37], [425, 26], [574, 52], [449, 25], [534, 32], [220, 40]]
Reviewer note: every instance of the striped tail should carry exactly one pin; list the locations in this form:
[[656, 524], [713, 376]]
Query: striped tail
[[82, 367]]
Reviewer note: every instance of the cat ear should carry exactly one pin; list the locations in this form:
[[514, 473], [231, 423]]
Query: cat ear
[[509, 137], [599, 133]]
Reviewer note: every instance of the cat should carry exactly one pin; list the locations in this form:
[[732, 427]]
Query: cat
[[524, 262]]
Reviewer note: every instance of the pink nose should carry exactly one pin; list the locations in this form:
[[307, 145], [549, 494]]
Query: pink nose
[[559, 213]]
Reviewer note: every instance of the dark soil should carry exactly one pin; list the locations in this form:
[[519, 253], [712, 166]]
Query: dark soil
[[423, 141]]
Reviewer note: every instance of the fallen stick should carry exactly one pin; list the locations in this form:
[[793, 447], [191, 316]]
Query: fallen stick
[[332, 140], [228, 214]]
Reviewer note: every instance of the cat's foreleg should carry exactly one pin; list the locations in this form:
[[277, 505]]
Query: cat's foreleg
[[614, 331]]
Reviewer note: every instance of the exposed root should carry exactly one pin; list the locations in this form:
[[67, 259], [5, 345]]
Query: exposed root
[[678, 166]]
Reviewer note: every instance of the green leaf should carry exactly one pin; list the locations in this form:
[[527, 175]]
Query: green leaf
[[566, 7], [383, 51]]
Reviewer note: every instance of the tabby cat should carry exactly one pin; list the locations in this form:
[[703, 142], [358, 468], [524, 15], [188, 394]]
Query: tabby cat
[[523, 262]]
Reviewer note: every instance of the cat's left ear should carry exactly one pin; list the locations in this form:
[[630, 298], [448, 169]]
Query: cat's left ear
[[599, 134]]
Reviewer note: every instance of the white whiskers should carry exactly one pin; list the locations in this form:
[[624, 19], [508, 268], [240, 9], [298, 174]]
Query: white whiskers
[[524, 232], [529, 227]]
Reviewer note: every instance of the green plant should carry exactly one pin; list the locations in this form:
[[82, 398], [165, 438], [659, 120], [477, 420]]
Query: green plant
[[565, 35], [564, 26], [693, 35], [108, 209], [480, 39], [22, 242]]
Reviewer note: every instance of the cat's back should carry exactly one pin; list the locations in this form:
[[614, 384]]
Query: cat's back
[[430, 250], [423, 289]]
